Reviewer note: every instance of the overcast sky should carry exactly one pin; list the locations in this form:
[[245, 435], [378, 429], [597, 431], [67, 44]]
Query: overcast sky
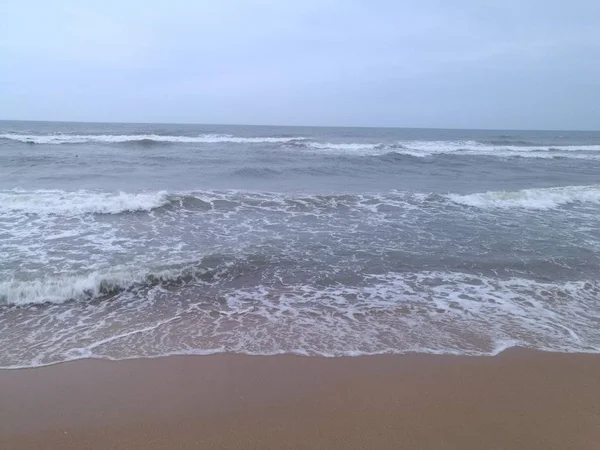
[[458, 64]]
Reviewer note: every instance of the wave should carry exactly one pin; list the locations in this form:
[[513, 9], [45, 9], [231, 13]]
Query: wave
[[94, 285], [504, 148], [365, 149], [545, 198], [82, 202], [470, 148], [77, 203], [351, 146], [145, 139], [424, 149], [103, 284], [70, 203], [417, 311], [60, 289]]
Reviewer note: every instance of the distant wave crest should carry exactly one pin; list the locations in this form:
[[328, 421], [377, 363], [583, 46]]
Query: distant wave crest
[[424, 149], [141, 138], [502, 148]]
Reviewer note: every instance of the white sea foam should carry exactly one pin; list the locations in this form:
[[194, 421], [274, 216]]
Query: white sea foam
[[412, 148], [433, 147], [474, 148], [60, 202], [460, 148], [545, 198], [75, 203], [110, 138], [427, 312]]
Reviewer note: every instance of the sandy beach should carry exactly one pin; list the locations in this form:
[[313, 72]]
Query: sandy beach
[[520, 399]]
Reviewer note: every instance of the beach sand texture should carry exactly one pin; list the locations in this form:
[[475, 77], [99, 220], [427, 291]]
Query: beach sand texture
[[520, 399]]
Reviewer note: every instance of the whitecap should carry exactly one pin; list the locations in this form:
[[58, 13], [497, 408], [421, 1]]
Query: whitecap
[[545, 198]]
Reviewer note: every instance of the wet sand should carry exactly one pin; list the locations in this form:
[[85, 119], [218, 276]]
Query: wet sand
[[520, 399]]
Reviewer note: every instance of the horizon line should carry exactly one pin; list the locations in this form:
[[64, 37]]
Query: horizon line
[[297, 126]]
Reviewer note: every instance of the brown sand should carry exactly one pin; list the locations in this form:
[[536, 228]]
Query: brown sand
[[518, 400]]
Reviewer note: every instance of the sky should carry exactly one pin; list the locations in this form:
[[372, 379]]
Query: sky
[[528, 64]]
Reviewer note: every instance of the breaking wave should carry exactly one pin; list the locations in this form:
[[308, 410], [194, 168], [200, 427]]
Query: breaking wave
[[103, 283], [546, 198], [417, 148], [423, 149], [69, 203], [81, 202]]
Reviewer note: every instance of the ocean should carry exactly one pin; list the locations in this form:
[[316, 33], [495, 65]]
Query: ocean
[[140, 240]]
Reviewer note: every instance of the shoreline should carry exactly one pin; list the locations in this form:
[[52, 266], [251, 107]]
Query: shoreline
[[521, 399], [500, 351]]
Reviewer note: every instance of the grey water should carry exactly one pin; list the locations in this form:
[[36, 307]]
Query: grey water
[[141, 240]]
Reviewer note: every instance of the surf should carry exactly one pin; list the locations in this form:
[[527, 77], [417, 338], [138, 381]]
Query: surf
[[57, 139], [544, 198]]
